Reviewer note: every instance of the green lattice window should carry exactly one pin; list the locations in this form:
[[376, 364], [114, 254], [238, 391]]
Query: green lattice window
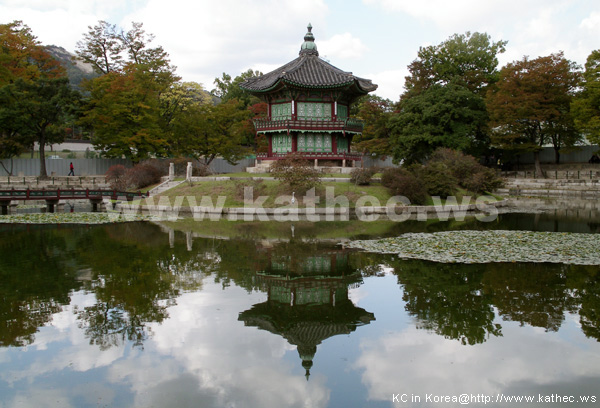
[[342, 144], [281, 111], [314, 111], [314, 142], [282, 143], [342, 112]]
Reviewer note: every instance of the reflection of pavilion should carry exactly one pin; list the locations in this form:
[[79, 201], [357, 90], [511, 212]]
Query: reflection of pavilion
[[308, 307]]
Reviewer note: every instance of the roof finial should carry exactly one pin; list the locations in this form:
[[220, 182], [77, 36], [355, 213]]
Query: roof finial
[[309, 46]]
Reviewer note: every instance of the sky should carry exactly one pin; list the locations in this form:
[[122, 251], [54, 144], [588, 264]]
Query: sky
[[374, 39]]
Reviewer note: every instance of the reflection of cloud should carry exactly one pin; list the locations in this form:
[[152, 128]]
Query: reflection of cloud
[[202, 353], [76, 355], [221, 360], [416, 362], [39, 398]]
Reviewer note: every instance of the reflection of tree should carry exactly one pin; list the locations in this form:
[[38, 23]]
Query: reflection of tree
[[535, 294], [457, 301], [584, 281], [135, 279], [36, 280], [448, 299], [106, 326]]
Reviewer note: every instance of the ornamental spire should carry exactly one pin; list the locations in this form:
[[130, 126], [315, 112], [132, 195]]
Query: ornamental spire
[[309, 46]]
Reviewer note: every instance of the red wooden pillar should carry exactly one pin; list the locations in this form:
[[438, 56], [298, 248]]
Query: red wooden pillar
[[294, 141], [270, 139], [334, 143]]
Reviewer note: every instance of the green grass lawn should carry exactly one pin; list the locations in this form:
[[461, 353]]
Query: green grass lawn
[[276, 194], [250, 175], [278, 230]]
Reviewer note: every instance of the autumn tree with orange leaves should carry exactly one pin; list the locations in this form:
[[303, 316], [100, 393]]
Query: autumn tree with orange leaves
[[529, 106], [35, 97]]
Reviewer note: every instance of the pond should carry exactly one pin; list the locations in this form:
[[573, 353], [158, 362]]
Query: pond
[[225, 314]]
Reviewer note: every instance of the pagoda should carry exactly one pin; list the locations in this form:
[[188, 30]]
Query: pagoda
[[308, 108]]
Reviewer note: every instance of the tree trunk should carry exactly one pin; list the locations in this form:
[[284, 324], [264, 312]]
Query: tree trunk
[[556, 155], [538, 166], [8, 172], [43, 173]]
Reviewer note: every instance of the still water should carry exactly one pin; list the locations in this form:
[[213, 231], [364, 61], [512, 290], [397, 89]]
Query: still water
[[278, 315]]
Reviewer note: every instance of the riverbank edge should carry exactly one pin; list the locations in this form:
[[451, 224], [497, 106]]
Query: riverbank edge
[[287, 210]]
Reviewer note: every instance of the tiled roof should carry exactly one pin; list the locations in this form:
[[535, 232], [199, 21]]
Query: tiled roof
[[308, 70]]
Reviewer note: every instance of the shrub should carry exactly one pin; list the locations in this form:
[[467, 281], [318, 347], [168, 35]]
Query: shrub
[[403, 182], [115, 177], [296, 172], [438, 179], [362, 176], [483, 181], [467, 172], [161, 166], [461, 166], [142, 175], [200, 170]]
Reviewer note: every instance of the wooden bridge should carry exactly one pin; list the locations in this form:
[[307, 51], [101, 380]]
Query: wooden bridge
[[52, 197]]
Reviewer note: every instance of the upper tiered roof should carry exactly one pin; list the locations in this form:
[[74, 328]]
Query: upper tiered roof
[[308, 71]]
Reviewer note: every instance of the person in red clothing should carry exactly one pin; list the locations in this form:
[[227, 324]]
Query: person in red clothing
[[72, 172]]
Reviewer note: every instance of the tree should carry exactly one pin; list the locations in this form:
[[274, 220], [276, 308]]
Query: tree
[[443, 104], [441, 116], [530, 105], [228, 89], [132, 105], [35, 98], [469, 60], [102, 47], [38, 111], [180, 97], [586, 106], [11, 145], [22, 56], [207, 131], [124, 111], [375, 138]]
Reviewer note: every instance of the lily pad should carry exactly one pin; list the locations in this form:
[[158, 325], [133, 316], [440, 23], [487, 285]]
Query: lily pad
[[490, 246], [71, 218]]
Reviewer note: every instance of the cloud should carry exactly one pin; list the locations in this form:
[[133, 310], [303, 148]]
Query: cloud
[[591, 23], [538, 28], [59, 22], [461, 15], [390, 83], [342, 46], [205, 38]]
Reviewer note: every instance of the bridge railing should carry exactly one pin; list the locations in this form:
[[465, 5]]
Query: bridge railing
[[68, 194]]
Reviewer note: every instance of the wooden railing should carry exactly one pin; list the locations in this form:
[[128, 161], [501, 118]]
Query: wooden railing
[[312, 155], [68, 194], [351, 125]]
